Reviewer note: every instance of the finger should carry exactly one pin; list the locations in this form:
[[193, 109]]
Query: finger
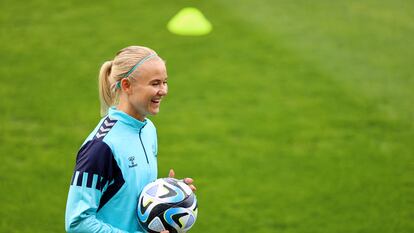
[[171, 174], [188, 180], [164, 231], [192, 187]]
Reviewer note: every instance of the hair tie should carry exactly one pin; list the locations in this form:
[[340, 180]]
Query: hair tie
[[116, 85]]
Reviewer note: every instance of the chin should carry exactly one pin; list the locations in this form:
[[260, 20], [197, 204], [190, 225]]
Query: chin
[[154, 111]]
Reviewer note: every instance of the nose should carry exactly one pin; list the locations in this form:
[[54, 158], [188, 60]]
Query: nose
[[163, 91]]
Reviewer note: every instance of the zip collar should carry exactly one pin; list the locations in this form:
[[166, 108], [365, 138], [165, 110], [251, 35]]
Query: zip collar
[[119, 115]]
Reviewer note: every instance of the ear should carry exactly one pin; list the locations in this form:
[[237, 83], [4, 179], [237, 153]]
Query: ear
[[126, 85]]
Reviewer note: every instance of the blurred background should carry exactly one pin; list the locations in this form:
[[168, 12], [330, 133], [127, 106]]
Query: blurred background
[[291, 116]]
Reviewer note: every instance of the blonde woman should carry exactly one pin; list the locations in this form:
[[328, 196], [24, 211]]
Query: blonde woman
[[119, 157]]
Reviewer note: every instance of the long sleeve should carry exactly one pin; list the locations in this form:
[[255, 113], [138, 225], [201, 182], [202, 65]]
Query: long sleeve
[[96, 179]]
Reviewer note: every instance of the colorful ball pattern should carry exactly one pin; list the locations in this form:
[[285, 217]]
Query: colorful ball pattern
[[167, 204]]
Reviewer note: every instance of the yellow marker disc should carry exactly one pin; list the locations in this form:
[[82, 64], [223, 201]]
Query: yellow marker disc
[[189, 22]]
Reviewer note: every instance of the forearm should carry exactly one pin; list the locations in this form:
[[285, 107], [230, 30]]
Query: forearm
[[89, 224]]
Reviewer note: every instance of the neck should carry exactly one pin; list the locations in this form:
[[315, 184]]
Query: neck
[[128, 109]]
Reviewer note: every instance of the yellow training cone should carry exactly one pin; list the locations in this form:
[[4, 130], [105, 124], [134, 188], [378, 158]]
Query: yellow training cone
[[189, 22]]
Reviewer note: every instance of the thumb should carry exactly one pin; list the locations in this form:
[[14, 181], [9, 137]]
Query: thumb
[[171, 174]]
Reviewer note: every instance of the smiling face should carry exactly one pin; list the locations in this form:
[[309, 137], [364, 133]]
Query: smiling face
[[142, 95]]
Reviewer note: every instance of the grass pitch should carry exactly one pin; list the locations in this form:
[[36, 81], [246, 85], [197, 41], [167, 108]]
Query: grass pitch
[[291, 116]]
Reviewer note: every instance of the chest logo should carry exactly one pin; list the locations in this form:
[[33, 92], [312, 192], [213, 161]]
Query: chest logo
[[132, 162]]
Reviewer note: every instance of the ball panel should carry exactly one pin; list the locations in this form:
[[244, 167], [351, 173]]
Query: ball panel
[[152, 191], [156, 225]]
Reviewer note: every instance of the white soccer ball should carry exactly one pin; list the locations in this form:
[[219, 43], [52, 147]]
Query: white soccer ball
[[167, 204]]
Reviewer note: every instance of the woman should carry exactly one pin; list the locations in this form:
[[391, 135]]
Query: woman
[[119, 157]]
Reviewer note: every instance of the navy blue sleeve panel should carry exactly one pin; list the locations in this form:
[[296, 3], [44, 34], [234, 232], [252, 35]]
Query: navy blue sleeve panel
[[97, 168], [95, 157]]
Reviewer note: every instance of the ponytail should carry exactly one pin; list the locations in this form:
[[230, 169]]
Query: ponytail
[[106, 96]]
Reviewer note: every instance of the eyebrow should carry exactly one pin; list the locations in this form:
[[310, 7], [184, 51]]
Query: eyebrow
[[157, 79]]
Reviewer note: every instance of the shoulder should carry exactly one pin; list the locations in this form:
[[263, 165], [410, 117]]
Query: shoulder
[[95, 156], [95, 165], [101, 130]]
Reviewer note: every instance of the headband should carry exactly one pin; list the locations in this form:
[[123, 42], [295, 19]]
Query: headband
[[117, 84]]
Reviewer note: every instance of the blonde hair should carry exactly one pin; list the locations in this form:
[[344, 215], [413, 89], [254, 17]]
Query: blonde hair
[[113, 71]]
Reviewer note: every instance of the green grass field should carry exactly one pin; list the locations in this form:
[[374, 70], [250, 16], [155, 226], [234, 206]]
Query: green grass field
[[291, 116]]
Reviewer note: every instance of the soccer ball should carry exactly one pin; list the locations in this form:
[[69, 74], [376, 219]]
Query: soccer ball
[[167, 204]]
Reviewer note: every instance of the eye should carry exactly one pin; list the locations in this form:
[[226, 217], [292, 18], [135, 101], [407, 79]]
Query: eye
[[155, 84]]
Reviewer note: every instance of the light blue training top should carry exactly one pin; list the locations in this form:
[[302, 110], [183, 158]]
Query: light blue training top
[[113, 165]]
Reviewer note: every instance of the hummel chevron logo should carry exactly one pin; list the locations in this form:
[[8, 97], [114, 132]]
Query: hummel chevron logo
[[105, 127], [102, 129], [108, 123], [98, 135]]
